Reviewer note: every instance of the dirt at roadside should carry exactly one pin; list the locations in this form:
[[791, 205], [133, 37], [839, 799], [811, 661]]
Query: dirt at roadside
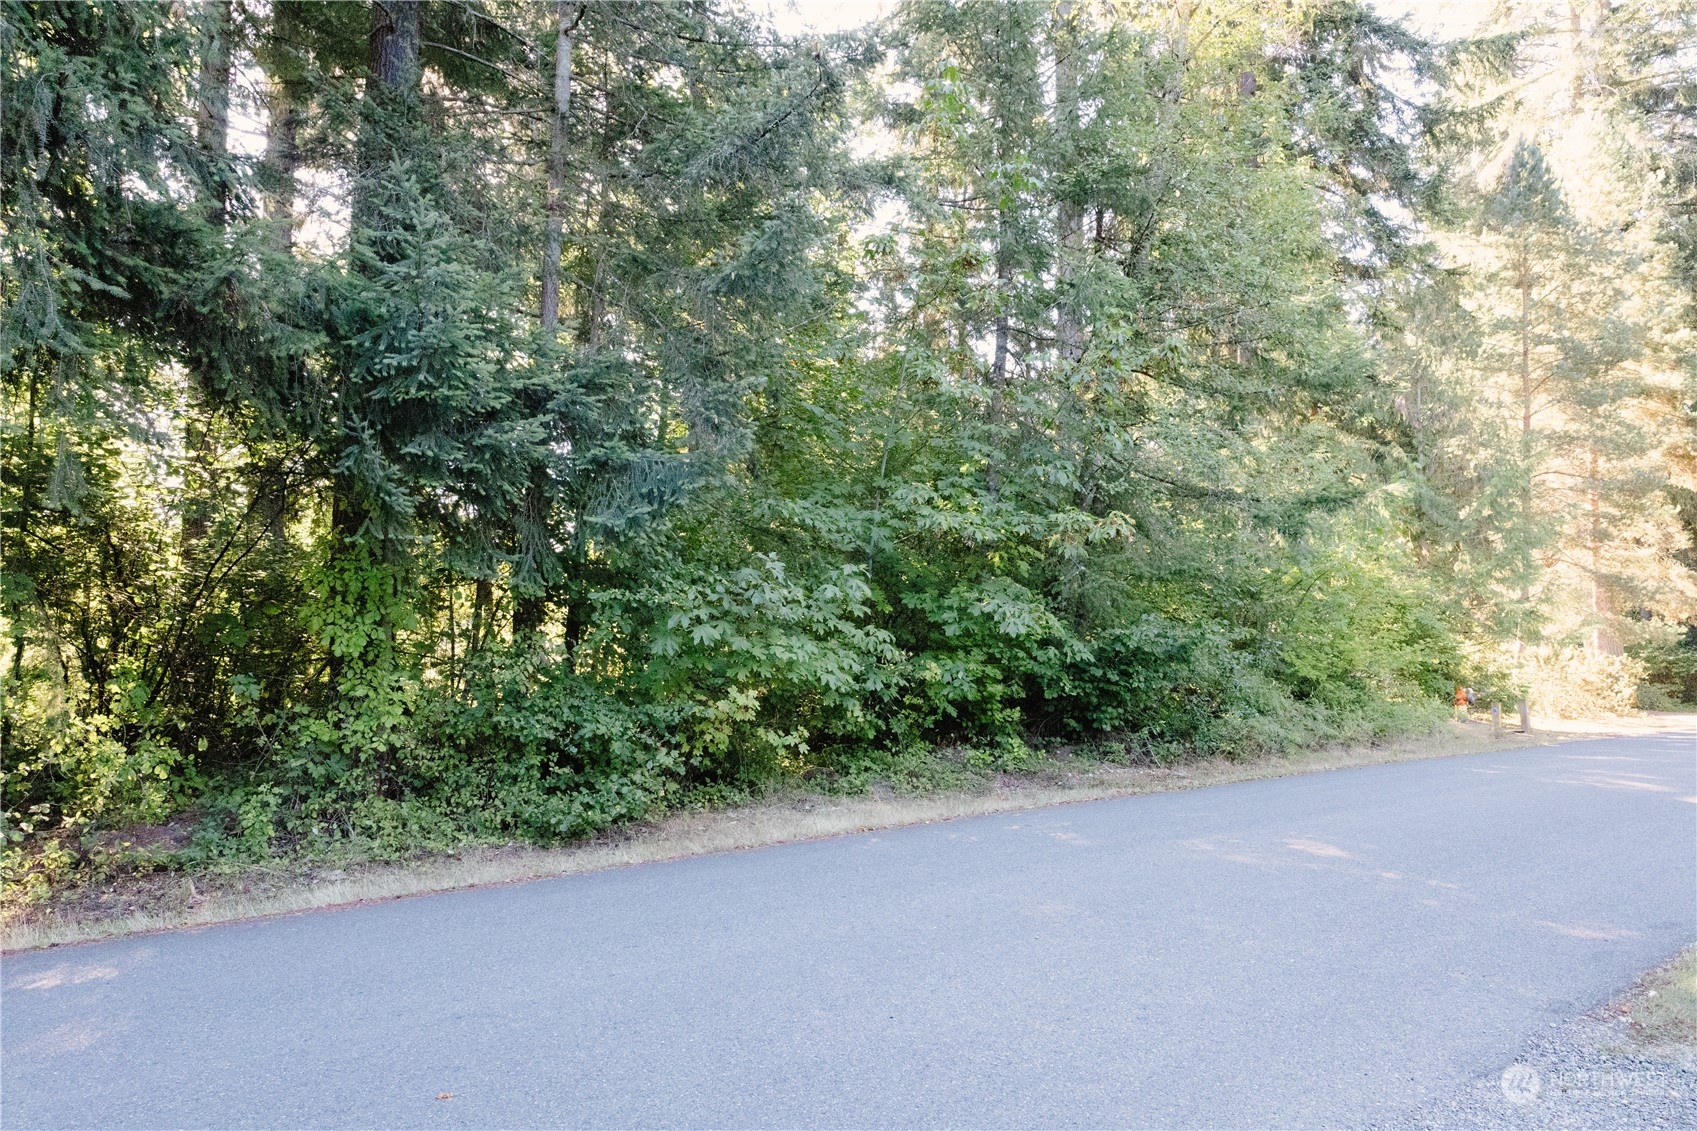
[[143, 899], [167, 892]]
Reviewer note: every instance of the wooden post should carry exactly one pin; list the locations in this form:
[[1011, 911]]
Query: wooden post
[[1525, 717]]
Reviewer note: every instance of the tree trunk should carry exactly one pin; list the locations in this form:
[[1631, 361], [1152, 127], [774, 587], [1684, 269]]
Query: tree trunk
[[1417, 427], [391, 93], [212, 106], [528, 615], [592, 330], [1069, 216], [482, 597], [1603, 640], [1525, 270], [391, 96], [212, 134], [577, 621], [393, 47], [199, 486], [282, 128], [1525, 350], [1183, 12], [279, 53], [282, 156], [999, 363], [567, 14], [530, 610]]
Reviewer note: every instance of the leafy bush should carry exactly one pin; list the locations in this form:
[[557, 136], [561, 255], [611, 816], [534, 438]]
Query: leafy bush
[[758, 664], [1157, 676], [1670, 677], [1572, 683]]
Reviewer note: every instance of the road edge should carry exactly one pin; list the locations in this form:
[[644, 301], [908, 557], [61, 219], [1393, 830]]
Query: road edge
[[794, 817]]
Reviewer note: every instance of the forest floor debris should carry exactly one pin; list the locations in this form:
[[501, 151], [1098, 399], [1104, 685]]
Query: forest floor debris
[[164, 898]]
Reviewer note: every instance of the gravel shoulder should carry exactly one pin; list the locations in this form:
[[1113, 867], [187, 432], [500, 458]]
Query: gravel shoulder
[[1607, 1069]]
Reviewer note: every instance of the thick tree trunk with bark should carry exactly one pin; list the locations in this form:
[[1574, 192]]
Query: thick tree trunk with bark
[[391, 97], [212, 109], [279, 51], [282, 157], [393, 47]]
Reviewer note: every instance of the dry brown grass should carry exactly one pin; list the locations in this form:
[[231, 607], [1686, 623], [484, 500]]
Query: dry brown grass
[[1662, 1007], [164, 901]]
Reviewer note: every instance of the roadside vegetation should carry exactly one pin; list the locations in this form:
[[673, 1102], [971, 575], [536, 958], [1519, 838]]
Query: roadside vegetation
[[470, 422], [1662, 1007], [150, 877]]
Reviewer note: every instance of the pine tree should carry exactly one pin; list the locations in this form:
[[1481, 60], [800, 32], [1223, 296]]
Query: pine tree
[[1569, 292]]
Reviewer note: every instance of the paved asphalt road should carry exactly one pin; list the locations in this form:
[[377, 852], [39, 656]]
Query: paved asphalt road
[[1313, 951]]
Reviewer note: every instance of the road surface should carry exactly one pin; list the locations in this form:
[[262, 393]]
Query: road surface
[[1326, 950]]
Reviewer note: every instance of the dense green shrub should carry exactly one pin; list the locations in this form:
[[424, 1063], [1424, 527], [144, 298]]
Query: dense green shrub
[[655, 447]]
